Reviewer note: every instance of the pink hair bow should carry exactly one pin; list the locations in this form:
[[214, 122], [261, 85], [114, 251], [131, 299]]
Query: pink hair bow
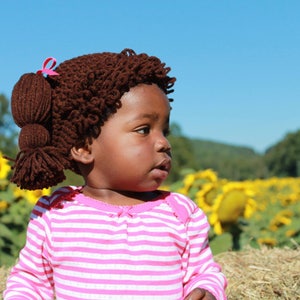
[[49, 70]]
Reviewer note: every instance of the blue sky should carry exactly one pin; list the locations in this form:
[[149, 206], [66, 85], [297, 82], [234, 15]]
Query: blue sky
[[237, 63]]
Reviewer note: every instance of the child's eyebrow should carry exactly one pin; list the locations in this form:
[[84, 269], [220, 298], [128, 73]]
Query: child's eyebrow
[[151, 116]]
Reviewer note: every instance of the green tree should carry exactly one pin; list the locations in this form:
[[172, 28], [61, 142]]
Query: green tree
[[8, 129], [283, 159]]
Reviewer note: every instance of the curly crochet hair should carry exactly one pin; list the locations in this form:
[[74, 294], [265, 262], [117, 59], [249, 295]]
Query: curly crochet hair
[[56, 113]]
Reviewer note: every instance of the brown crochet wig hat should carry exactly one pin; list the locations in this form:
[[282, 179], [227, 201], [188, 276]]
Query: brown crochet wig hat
[[68, 109]]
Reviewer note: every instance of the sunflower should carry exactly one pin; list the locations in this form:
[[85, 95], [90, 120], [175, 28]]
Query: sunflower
[[234, 202], [3, 205], [4, 167], [267, 241], [208, 174], [188, 181], [31, 196], [291, 233], [193, 182], [206, 196], [284, 217]]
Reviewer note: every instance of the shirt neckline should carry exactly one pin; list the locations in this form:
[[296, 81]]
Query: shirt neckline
[[111, 208]]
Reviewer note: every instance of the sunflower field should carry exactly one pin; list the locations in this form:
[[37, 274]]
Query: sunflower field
[[261, 212], [15, 208]]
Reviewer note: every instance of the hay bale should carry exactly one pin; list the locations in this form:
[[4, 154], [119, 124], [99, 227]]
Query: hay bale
[[4, 272], [262, 273]]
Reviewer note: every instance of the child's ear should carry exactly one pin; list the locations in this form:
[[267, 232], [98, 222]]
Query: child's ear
[[82, 154]]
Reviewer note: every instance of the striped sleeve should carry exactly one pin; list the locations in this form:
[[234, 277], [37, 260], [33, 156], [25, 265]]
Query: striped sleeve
[[31, 277], [201, 271]]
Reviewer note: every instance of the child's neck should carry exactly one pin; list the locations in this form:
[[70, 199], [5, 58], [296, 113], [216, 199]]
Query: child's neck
[[121, 198]]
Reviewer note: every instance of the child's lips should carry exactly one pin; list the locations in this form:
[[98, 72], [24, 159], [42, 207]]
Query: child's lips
[[163, 167]]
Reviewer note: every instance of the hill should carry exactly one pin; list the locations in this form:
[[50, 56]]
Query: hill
[[229, 161]]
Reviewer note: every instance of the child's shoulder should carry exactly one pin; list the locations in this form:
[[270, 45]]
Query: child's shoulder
[[183, 206], [54, 200]]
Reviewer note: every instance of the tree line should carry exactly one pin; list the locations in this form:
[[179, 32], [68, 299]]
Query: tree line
[[231, 162]]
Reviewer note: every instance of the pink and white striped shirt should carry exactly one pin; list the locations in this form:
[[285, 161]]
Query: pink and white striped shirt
[[81, 248]]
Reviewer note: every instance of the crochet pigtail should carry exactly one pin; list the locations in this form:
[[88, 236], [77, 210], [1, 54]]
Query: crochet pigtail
[[38, 164]]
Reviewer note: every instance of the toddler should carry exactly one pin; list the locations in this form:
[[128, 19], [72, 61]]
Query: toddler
[[106, 117]]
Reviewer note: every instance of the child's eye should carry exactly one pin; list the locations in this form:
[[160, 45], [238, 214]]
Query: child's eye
[[143, 130]]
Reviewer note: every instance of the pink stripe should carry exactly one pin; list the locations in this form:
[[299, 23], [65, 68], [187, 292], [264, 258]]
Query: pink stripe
[[119, 269]]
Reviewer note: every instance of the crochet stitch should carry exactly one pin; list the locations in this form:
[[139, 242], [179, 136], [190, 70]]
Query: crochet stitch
[[56, 113]]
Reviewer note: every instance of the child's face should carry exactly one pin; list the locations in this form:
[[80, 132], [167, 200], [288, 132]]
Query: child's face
[[132, 152]]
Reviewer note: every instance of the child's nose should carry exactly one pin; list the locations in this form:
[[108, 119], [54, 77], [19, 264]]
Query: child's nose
[[162, 144]]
